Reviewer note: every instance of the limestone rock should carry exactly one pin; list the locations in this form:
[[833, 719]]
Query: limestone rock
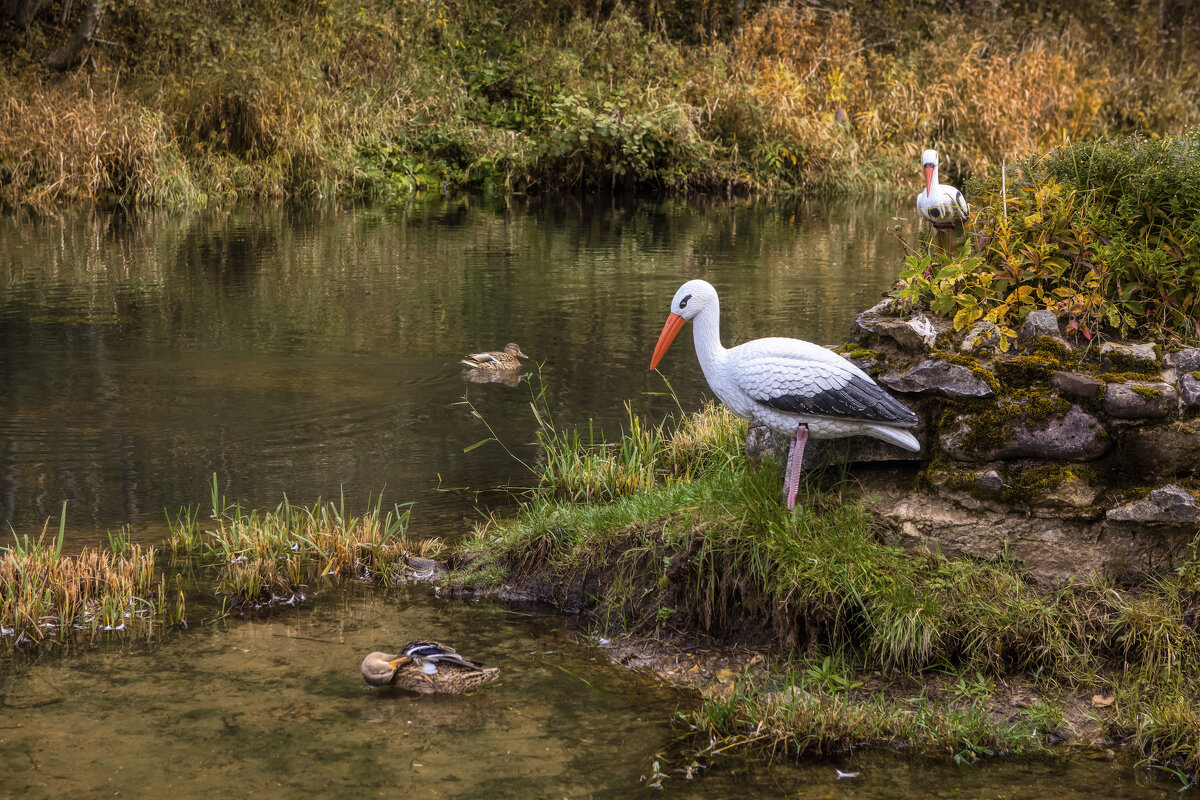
[[1140, 400], [1161, 452], [1189, 390], [762, 444], [1183, 360], [1049, 549], [1169, 505], [937, 377], [866, 322], [983, 337], [916, 334], [1038, 324], [991, 481], [1076, 436], [1076, 385], [1071, 493], [1114, 354]]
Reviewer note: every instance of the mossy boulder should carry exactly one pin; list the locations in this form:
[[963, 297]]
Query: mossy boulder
[[1026, 430], [1140, 400], [1141, 358], [938, 377]]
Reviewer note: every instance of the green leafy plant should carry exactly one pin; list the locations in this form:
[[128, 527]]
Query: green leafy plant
[[1105, 235]]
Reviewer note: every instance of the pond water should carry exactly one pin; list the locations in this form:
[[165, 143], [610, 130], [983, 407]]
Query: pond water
[[308, 353], [314, 353]]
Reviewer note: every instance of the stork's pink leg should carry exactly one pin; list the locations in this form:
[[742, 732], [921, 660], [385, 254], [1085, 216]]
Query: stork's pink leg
[[795, 459]]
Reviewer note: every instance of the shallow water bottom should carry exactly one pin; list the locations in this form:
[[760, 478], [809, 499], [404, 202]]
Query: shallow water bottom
[[243, 708]]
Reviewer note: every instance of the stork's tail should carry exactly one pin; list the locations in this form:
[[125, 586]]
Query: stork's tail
[[896, 436]]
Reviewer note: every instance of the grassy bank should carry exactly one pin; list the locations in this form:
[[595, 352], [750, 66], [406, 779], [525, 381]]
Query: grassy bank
[[866, 642], [187, 105]]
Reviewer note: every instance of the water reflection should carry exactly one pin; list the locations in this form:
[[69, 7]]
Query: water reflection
[[307, 352], [277, 706], [274, 705]]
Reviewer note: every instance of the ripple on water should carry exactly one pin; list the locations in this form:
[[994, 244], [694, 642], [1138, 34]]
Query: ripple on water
[[247, 707]]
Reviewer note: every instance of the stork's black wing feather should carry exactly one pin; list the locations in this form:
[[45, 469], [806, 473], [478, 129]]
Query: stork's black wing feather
[[857, 398]]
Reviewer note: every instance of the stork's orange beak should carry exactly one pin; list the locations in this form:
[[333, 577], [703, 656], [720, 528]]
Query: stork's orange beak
[[674, 323], [928, 179]]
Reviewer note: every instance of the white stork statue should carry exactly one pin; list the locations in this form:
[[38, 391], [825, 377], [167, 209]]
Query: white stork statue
[[793, 387], [942, 205]]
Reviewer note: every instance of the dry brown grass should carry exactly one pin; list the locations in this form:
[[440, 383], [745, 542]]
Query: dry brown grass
[[272, 557], [196, 105], [44, 594]]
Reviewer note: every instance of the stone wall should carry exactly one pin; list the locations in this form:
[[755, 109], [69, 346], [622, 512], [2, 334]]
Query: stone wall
[[1064, 455]]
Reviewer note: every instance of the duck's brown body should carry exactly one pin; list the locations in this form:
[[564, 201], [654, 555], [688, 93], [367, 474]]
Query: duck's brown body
[[508, 358], [426, 668]]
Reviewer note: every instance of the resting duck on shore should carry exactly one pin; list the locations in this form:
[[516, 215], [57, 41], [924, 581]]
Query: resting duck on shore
[[426, 668], [502, 359]]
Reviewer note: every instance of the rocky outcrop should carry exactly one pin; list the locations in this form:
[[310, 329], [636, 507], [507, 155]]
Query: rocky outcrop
[[937, 377], [1062, 456], [1169, 505]]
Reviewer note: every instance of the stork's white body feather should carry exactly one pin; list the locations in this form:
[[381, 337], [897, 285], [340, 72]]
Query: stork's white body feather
[[938, 203], [783, 383]]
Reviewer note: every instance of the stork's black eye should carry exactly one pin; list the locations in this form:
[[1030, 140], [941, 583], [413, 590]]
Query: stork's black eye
[[683, 303]]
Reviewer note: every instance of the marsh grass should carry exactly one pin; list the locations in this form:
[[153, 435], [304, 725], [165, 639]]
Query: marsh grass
[[266, 558], [805, 719], [47, 596], [701, 543]]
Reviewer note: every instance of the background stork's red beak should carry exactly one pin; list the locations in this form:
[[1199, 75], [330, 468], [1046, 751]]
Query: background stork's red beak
[[928, 179], [674, 323]]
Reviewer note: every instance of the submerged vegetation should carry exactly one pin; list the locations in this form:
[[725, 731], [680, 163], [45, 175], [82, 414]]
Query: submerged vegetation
[[707, 547], [1104, 234], [191, 104], [254, 559], [267, 558]]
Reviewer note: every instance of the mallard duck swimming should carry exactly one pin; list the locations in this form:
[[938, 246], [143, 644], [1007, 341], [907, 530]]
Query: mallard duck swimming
[[504, 359], [426, 668]]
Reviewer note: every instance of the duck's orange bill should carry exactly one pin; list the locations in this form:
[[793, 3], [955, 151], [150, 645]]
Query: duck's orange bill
[[928, 179], [674, 323]]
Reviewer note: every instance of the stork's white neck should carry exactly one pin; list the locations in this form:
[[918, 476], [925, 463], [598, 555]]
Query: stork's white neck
[[706, 329]]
